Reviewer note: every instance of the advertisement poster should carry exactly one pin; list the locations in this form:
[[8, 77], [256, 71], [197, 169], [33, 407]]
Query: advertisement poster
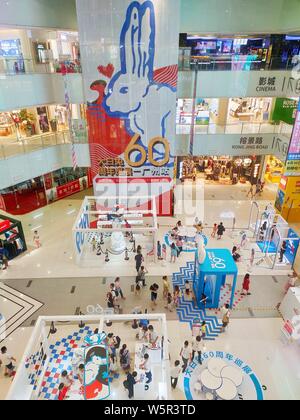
[[130, 69], [293, 160]]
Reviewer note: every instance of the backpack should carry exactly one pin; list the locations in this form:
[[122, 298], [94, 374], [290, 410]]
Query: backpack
[[123, 359], [118, 342]]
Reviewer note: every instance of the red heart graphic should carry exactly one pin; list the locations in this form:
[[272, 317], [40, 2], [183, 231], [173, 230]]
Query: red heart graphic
[[107, 71]]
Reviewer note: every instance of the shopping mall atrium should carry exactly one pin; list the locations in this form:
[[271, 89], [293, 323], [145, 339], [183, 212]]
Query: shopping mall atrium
[[150, 200]]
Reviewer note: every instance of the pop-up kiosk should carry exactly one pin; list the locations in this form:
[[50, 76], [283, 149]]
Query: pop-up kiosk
[[12, 236], [218, 268]]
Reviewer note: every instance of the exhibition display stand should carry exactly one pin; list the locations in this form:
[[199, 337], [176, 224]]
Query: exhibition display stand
[[210, 277], [110, 221], [40, 357], [12, 236]]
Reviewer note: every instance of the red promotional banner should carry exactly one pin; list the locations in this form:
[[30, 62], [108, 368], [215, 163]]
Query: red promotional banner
[[4, 225], [68, 189], [48, 181]]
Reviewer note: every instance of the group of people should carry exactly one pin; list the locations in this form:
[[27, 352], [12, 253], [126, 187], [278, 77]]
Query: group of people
[[256, 189], [177, 242], [218, 231], [114, 295]]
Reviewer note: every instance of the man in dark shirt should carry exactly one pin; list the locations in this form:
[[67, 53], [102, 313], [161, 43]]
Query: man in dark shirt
[[138, 261], [129, 384]]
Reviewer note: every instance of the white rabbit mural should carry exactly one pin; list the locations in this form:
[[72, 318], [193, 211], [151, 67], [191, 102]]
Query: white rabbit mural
[[133, 91]]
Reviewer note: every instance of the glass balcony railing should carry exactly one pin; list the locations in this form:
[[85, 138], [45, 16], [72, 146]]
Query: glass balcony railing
[[19, 66], [237, 128], [13, 146], [232, 63]]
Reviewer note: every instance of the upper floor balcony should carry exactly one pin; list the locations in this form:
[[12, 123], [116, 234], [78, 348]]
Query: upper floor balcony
[[14, 146]]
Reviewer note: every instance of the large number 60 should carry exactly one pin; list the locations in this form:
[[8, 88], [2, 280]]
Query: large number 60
[[135, 147]]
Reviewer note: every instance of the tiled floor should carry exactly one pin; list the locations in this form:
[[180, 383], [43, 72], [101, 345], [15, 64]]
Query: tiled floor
[[49, 274], [256, 342]]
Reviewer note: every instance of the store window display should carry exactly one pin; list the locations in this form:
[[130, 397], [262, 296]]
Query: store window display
[[226, 170], [65, 182], [274, 170], [254, 110], [185, 112]]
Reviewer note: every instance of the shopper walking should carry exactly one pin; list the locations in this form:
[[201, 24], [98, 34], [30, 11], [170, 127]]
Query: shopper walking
[[153, 337], [246, 286], [3, 256], [283, 250], [252, 257], [129, 384], [154, 295], [159, 251], [141, 277], [225, 311], [179, 244], [214, 231], [125, 358], [166, 287], [203, 330], [175, 372], [186, 355], [118, 288], [36, 239], [139, 259], [146, 367], [251, 192], [177, 296], [110, 301], [197, 348], [7, 361], [221, 230], [174, 252]]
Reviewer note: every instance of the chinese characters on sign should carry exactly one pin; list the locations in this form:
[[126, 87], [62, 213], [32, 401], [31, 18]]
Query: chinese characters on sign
[[293, 160]]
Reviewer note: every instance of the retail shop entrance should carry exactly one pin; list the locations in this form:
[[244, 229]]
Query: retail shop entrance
[[225, 170]]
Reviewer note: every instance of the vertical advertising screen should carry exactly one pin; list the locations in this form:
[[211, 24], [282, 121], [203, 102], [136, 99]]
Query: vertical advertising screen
[[129, 53], [293, 160]]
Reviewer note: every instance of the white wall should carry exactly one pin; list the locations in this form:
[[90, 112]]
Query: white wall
[[38, 89], [39, 13], [237, 84], [23, 167]]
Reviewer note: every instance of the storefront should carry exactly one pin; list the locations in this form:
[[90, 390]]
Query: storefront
[[250, 110], [237, 111], [38, 192], [25, 123], [65, 182], [222, 169], [12, 237], [39, 50], [274, 169], [184, 115]]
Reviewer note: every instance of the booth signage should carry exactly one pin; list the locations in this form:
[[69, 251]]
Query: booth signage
[[68, 189], [131, 84], [237, 145], [252, 389], [80, 236]]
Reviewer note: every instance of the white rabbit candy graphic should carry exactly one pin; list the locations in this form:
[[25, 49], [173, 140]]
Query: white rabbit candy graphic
[[132, 92]]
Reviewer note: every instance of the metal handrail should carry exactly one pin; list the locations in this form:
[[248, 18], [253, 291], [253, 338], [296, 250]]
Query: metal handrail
[[19, 146], [243, 128], [20, 66], [234, 63]]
